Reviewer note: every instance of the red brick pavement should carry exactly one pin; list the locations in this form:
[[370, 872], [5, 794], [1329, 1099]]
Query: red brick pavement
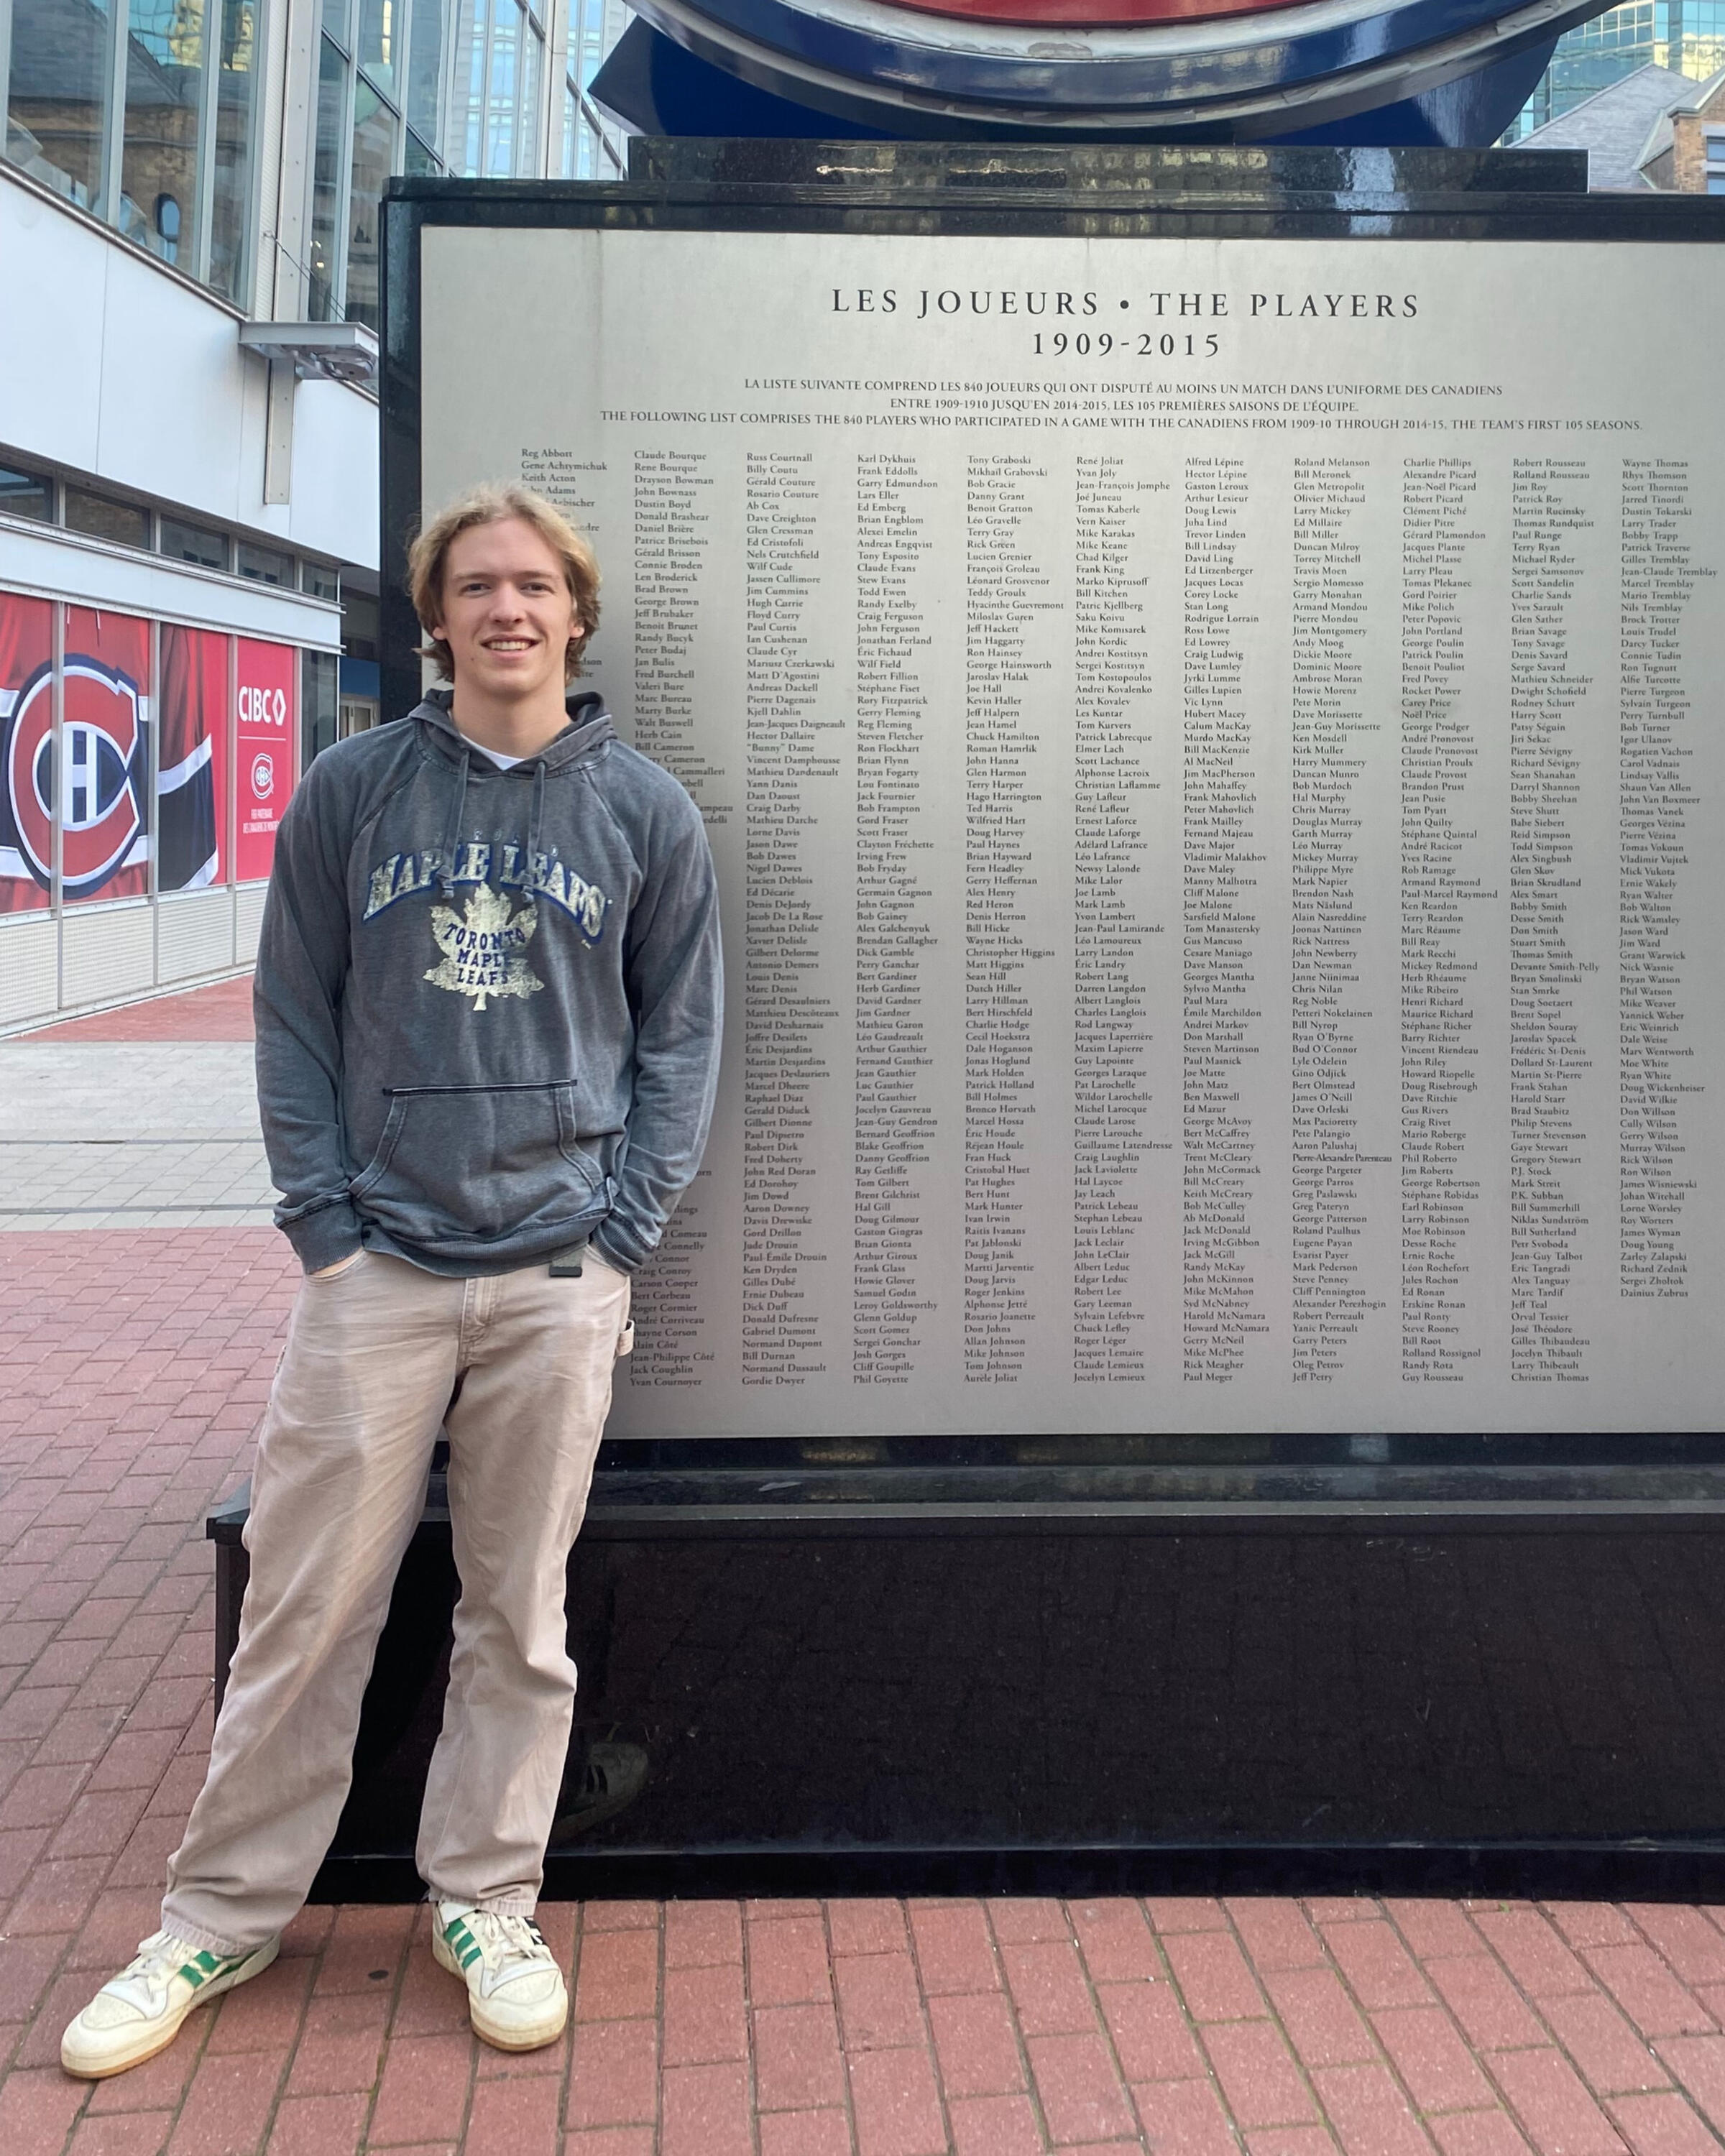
[[134, 1366], [220, 1012]]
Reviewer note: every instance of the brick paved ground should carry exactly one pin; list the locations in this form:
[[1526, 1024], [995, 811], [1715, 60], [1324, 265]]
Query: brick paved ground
[[221, 1012], [132, 1367]]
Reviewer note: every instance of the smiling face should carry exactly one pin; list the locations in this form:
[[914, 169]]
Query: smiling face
[[507, 613]]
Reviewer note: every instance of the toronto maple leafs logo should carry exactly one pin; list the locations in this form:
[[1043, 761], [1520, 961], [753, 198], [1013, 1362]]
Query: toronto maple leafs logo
[[484, 954]]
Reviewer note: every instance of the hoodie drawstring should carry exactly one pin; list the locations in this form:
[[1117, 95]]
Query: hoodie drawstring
[[452, 838], [535, 818]]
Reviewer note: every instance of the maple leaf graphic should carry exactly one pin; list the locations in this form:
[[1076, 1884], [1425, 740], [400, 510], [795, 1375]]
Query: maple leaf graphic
[[484, 952]]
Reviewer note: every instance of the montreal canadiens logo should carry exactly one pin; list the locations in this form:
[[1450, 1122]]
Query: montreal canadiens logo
[[101, 783], [263, 778]]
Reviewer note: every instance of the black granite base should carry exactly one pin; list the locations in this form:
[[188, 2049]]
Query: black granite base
[[1099, 1673]]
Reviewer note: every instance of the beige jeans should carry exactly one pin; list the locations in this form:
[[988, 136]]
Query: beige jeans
[[380, 1357]]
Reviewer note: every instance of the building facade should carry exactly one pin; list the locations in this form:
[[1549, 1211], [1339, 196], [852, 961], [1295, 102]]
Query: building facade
[[189, 202], [1686, 36], [1685, 153]]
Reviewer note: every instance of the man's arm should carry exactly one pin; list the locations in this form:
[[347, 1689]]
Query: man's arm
[[673, 972], [296, 1001]]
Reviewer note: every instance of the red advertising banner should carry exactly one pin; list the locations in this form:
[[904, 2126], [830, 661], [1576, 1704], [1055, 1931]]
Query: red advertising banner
[[26, 720], [264, 765], [103, 789], [192, 766]]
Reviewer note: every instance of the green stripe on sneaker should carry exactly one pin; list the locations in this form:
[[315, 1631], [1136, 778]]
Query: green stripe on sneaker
[[465, 1946]]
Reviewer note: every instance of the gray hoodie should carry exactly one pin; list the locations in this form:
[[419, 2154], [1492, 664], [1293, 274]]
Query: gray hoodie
[[488, 1001]]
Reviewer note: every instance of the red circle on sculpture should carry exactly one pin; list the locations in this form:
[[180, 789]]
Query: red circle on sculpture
[[1091, 14]]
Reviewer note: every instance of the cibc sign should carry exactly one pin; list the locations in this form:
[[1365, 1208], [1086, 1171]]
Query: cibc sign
[[265, 707]]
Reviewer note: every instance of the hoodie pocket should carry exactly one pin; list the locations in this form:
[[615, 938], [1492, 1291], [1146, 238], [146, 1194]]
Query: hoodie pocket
[[472, 1163]]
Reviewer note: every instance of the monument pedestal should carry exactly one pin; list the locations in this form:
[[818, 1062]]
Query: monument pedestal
[[1288, 1665], [1197, 665]]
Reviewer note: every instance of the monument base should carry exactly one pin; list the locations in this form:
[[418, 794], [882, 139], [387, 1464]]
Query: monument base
[[1292, 1665]]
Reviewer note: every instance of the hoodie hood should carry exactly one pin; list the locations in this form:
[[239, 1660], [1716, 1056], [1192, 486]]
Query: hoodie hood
[[588, 732]]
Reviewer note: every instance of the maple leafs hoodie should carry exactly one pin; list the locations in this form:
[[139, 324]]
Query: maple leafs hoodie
[[488, 1001]]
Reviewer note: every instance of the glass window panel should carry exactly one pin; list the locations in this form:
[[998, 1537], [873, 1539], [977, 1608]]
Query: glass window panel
[[27, 494], [327, 180], [236, 145], [1592, 57], [378, 21], [26, 720], [164, 96], [359, 625], [572, 132], [338, 23], [56, 107], [502, 91], [319, 580], [526, 152], [194, 542], [317, 704], [192, 764], [373, 154], [263, 565], [425, 54], [105, 776], [466, 142], [419, 162], [104, 518]]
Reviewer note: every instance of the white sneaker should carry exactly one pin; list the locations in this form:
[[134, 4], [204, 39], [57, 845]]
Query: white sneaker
[[515, 1995], [138, 2013]]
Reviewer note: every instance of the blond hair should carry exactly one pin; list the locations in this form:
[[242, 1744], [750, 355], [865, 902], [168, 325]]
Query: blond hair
[[492, 504]]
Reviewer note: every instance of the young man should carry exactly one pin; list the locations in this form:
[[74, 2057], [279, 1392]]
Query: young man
[[488, 1007]]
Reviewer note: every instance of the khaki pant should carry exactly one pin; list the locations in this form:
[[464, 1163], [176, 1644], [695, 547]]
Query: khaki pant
[[380, 1358]]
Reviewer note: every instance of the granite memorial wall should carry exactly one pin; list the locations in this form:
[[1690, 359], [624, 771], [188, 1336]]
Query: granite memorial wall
[[1211, 750]]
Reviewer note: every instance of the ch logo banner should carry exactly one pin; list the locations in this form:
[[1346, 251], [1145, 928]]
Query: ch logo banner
[[102, 780]]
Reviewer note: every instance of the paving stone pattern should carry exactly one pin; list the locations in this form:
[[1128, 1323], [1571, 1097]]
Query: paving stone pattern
[[134, 1365], [133, 1132]]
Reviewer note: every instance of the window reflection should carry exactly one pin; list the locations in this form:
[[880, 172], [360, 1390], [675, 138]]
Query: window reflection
[[236, 123], [327, 180], [193, 542], [527, 125], [376, 43], [126, 523], [421, 85], [471, 83], [164, 85], [502, 90], [263, 565], [499, 57], [26, 493], [373, 149], [56, 106], [317, 704], [591, 150], [425, 56]]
